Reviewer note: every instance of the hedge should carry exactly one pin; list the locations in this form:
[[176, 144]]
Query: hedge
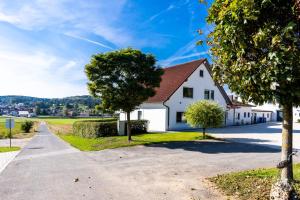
[[138, 126], [94, 129]]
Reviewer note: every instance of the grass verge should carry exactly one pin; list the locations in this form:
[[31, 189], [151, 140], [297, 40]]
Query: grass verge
[[8, 149], [252, 184], [16, 131], [86, 144]]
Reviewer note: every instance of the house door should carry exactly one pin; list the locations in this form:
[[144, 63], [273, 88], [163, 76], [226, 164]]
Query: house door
[[279, 116]]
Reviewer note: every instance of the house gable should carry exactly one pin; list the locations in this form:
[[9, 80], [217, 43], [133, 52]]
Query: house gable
[[174, 77], [177, 103]]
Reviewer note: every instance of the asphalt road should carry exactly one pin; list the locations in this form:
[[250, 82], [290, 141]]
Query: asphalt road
[[48, 167], [268, 134]]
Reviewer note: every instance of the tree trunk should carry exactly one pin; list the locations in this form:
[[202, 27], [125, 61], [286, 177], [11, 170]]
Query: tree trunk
[[128, 126], [287, 142], [203, 132]]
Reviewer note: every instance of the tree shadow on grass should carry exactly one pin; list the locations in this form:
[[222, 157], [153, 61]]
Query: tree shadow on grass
[[215, 147]]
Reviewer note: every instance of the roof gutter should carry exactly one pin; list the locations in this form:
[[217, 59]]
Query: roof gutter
[[168, 114]]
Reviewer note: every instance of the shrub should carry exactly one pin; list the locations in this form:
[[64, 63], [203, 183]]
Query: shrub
[[205, 114], [94, 129], [27, 126], [138, 126]]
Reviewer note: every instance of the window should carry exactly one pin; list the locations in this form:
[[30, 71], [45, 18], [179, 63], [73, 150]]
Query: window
[[212, 94], [245, 114], [180, 117], [206, 94], [201, 73], [263, 115], [248, 114], [188, 92], [268, 115], [238, 116], [139, 115]]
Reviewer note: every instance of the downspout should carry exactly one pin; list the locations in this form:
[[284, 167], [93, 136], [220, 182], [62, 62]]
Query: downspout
[[168, 114]]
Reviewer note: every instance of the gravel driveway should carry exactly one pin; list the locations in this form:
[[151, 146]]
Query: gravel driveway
[[48, 168], [265, 134]]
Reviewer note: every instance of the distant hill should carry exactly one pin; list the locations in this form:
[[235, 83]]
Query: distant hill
[[27, 100]]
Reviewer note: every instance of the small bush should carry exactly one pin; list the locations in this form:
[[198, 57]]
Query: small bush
[[139, 126], [95, 129], [27, 126]]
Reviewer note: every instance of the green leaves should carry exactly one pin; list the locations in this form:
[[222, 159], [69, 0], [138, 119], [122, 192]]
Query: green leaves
[[123, 79], [205, 114], [255, 43]]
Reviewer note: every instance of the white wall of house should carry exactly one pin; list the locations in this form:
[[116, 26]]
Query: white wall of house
[[269, 107], [178, 103], [263, 114], [229, 117], [296, 116], [242, 115], [275, 107], [156, 114]]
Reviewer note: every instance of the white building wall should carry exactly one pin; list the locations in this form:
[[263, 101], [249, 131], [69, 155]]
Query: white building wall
[[177, 103], [242, 115], [156, 114], [263, 114], [296, 116], [269, 107]]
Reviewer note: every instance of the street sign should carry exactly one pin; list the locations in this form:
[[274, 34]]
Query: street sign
[[10, 123]]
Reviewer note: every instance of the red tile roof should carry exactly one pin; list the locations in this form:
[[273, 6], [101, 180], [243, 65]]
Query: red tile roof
[[175, 76]]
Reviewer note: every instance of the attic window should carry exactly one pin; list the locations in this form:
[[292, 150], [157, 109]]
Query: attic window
[[201, 73], [188, 92]]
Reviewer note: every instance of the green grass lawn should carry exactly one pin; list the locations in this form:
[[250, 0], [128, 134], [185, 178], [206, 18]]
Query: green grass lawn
[[16, 131], [66, 121], [8, 149], [252, 184], [86, 144]]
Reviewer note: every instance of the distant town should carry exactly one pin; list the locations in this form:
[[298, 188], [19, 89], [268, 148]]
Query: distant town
[[24, 106]]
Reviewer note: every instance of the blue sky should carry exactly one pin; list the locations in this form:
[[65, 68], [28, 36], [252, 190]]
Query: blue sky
[[44, 44]]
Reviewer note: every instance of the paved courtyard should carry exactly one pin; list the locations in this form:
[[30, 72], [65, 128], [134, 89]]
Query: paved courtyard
[[265, 134], [48, 168]]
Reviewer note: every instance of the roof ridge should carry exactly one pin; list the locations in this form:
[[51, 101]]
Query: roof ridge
[[178, 65]]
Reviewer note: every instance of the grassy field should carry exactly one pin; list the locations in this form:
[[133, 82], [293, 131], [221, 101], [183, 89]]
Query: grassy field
[[253, 184], [64, 125], [16, 131], [66, 121], [85, 144], [7, 149]]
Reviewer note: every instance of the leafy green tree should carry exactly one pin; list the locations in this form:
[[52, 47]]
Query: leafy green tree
[[204, 114], [123, 79], [256, 49]]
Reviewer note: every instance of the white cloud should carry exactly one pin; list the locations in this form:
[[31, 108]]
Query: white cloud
[[36, 75], [88, 40], [100, 17], [172, 6], [176, 58], [187, 51]]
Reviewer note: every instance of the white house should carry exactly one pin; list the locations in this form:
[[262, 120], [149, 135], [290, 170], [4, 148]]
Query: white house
[[276, 111], [241, 113], [181, 85], [23, 113]]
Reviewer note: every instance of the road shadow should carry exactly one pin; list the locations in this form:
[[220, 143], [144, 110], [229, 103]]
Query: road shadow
[[215, 147]]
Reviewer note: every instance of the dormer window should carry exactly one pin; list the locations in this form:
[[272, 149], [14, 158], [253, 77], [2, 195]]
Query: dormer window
[[201, 73]]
